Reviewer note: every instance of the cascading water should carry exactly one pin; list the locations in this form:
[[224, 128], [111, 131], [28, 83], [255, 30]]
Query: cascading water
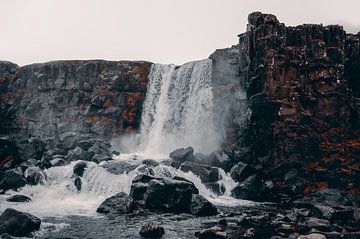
[[179, 110]]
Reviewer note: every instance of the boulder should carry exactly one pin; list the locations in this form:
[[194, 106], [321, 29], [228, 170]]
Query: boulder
[[217, 158], [251, 188], [118, 167], [79, 154], [18, 223], [182, 154], [79, 168], [206, 173], [152, 230], [162, 194], [333, 197], [34, 176], [215, 232], [200, 206], [12, 179], [18, 198], [78, 183], [150, 162], [240, 171], [117, 204]]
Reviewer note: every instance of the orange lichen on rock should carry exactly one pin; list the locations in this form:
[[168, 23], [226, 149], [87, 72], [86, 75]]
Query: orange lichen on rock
[[107, 104], [321, 185]]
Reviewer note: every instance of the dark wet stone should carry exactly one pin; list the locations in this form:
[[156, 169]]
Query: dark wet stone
[[34, 176], [200, 206], [215, 232], [152, 230], [182, 154], [18, 198], [206, 173], [150, 162], [118, 167], [79, 168], [251, 188], [12, 179], [18, 223], [241, 171], [117, 204], [78, 184]]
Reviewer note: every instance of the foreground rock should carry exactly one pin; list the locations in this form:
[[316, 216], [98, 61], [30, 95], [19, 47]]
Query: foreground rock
[[215, 232], [18, 198], [18, 223], [152, 230], [117, 204], [175, 195]]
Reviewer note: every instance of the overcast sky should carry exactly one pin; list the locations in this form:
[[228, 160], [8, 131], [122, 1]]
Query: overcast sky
[[162, 31]]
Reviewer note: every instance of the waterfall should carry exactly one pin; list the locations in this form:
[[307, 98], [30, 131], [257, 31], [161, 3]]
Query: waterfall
[[179, 109]]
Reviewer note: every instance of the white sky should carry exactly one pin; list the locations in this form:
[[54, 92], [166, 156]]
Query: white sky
[[163, 31]]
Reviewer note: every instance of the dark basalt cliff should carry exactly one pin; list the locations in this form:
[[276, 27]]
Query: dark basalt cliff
[[303, 89], [65, 102]]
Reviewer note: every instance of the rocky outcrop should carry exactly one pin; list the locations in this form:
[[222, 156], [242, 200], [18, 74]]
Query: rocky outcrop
[[57, 112], [55, 98], [19, 224], [174, 195], [301, 84]]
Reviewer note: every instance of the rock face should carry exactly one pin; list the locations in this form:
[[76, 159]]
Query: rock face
[[18, 223], [99, 97], [302, 88], [69, 104]]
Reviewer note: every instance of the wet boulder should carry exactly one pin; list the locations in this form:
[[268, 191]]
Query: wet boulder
[[200, 206], [78, 183], [18, 198], [333, 197], [78, 154], [182, 154], [240, 171], [79, 168], [117, 204], [251, 188], [150, 162], [215, 232], [162, 194], [206, 173], [18, 223], [34, 176], [152, 230], [12, 179], [119, 167], [217, 158]]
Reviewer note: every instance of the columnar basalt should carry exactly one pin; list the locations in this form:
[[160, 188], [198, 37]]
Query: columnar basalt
[[303, 93]]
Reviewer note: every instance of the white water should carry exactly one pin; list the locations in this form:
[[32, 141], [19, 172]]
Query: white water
[[178, 112], [58, 196]]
